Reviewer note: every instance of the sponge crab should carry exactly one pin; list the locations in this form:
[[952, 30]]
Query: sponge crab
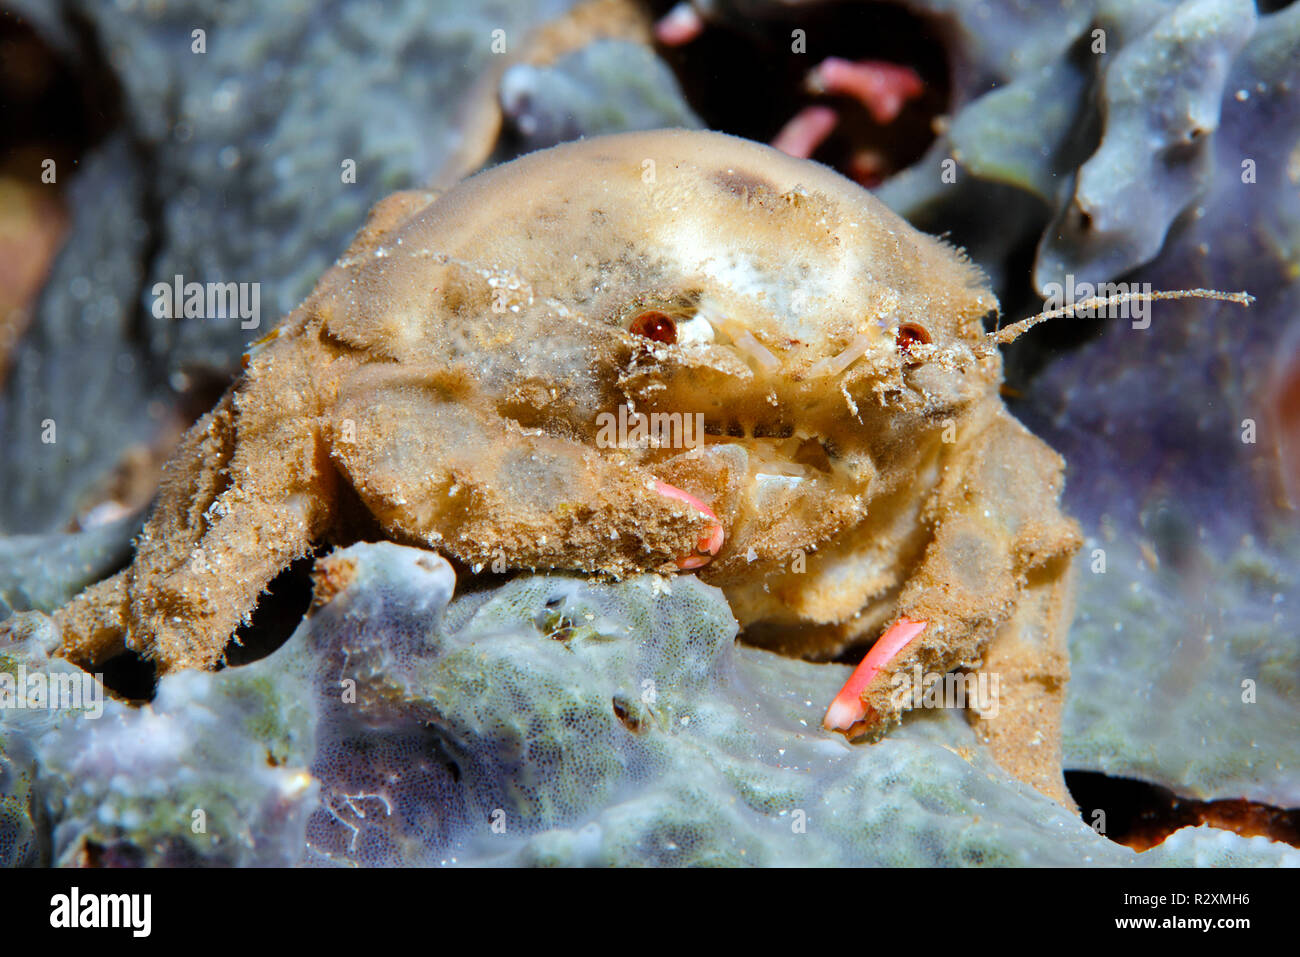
[[452, 377]]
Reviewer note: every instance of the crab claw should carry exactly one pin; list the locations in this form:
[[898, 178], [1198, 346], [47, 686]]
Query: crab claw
[[849, 712], [881, 87], [710, 543]]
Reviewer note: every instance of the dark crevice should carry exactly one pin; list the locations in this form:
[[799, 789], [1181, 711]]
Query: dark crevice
[[743, 77], [130, 677], [53, 109], [119, 854], [279, 611], [1141, 815], [203, 391]]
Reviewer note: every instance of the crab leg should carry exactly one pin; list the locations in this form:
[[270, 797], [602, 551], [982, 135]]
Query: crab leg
[[990, 594], [1027, 666], [245, 495]]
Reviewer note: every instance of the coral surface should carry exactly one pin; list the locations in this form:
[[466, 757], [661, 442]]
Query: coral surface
[[550, 721]]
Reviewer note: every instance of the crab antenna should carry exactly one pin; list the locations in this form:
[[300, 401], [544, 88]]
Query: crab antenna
[[1017, 329]]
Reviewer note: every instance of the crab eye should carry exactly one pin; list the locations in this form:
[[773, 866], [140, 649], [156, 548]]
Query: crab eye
[[655, 326], [910, 334]]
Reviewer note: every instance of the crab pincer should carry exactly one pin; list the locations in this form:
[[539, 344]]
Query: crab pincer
[[710, 542], [849, 712]]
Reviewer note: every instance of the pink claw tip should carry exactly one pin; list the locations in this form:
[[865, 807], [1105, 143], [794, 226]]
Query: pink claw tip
[[679, 26], [848, 712], [883, 88], [711, 543], [806, 131]]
